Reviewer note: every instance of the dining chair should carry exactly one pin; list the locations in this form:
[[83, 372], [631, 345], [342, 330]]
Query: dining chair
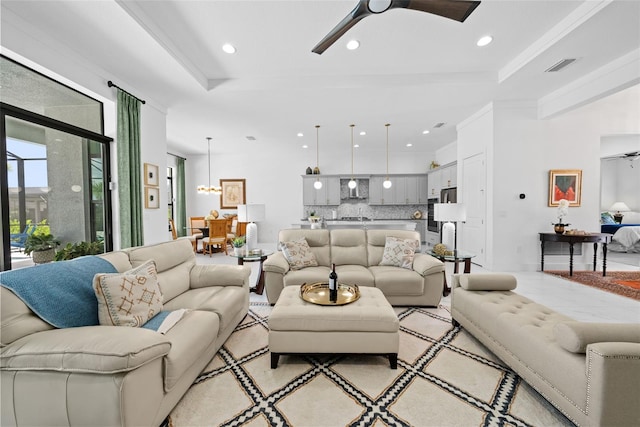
[[172, 225], [217, 236], [232, 228], [195, 225]]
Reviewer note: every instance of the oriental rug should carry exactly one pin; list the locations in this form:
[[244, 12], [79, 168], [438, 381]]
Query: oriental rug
[[444, 377], [625, 283]]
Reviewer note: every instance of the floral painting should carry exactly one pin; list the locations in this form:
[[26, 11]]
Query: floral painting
[[565, 184]]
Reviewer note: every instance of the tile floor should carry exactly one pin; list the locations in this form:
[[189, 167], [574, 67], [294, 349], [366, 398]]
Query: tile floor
[[572, 299]]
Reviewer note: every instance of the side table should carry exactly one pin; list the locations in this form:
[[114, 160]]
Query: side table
[[261, 257], [572, 239], [456, 259]]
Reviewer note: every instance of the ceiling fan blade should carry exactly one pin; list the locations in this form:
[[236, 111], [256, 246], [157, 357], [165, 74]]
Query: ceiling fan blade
[[458, 10], [359, 12]]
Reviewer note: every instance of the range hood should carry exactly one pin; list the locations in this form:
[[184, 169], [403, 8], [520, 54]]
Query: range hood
[[360, 192]]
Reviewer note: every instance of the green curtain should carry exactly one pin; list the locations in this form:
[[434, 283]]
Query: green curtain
[[129, 173], [181, 205]]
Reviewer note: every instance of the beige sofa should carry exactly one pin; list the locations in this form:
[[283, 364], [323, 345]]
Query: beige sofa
[[589, 371], [357, 253], [117, 375]]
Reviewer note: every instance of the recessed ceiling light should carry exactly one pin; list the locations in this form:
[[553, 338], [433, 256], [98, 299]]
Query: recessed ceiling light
[[353, 44], [363, 133], [305, 146], [484, 40], [424, 132], [409, 145], [300, 134], [228, 48], [356, 145]]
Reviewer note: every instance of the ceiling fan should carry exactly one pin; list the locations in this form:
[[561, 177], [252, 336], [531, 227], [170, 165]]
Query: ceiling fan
[[632, 155], [458, 10]]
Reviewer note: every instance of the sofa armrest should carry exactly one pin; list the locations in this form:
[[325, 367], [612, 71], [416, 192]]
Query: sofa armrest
[[94, 349], [425, 264], [613, 375], [276, 263], [203, 276]]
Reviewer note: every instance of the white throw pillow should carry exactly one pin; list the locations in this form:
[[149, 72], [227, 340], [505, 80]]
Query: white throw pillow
[[399, 252], [130, 298], [298, 254]]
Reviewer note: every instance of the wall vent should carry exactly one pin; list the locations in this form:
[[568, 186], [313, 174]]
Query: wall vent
[[559, 65], [251, 138], [438, 125]]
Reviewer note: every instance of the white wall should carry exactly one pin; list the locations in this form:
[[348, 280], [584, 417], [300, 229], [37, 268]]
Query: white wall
[[273, 177]]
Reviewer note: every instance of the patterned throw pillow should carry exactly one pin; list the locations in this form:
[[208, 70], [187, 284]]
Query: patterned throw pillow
[[130, 298], [399, 252], [298, 254], [606, 218]]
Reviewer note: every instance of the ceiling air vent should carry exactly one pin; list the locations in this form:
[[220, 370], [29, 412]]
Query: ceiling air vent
[[559, 65], [251, 138], [438, 125]]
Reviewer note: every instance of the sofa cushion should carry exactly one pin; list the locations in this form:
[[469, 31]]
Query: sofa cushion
[[130, 298], [298, 254], [308, 275], [575, 336], [174, 260], [354, 275], [397, 281], [349, 247], [318, 241], [99, 349], [189, 339], [224, 301], [17, 319], [377, 239], [488, 282], [399, 252]]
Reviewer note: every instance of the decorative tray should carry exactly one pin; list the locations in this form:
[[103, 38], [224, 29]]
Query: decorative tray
[[318, 293]]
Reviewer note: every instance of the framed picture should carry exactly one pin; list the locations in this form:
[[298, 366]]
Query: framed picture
[[151, 197], [233, 193], [565, 184], [151, 175]]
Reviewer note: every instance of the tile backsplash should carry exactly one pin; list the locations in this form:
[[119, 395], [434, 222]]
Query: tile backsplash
[[353, 208]]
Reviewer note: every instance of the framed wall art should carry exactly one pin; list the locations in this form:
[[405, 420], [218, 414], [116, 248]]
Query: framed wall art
[[151, 175], [233, 193], [151, 197], [565, 184]]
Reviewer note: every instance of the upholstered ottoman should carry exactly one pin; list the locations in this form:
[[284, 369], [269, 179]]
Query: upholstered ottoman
[[368, 325]]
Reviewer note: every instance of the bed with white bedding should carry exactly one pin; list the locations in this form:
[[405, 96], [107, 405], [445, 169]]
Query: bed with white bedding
[[626, 239]]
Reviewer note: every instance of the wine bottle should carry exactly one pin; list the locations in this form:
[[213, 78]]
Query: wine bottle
[[333, 285]]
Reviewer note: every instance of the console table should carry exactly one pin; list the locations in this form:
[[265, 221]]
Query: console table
[[572, 239]]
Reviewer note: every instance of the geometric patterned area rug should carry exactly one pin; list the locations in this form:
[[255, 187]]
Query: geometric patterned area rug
[[625, 283], [444, 377]]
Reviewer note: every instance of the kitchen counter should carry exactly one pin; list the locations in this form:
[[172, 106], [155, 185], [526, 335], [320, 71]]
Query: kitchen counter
[[400, 224]]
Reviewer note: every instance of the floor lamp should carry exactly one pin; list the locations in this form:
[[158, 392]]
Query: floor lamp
[[449, 213], [251, 214]]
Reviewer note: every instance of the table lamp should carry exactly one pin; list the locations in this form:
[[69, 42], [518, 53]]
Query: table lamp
[[251, 214], [619, 207], [451, 213]]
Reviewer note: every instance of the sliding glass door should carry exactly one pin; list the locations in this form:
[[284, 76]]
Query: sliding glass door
[[55, 181]]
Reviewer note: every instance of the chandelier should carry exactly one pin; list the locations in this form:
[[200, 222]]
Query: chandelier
[[209, 189]]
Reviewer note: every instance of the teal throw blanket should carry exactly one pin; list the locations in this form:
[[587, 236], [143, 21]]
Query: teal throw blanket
[[61, 293]]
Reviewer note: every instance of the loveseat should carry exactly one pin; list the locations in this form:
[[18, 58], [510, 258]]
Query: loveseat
[[589, 371], [117, 375], [357, 254]]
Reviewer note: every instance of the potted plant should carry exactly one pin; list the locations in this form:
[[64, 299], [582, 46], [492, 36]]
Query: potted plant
[[563, 210], [78, 249], [43, 246], [238, 245]]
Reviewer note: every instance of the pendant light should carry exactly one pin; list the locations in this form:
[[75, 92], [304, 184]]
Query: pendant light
[[352, 184], [387, 183], [318, 184], [203, 189]]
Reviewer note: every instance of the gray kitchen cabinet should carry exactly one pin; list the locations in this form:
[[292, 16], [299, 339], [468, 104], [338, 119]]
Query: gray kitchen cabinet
[[328, 195], [434, 184]]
